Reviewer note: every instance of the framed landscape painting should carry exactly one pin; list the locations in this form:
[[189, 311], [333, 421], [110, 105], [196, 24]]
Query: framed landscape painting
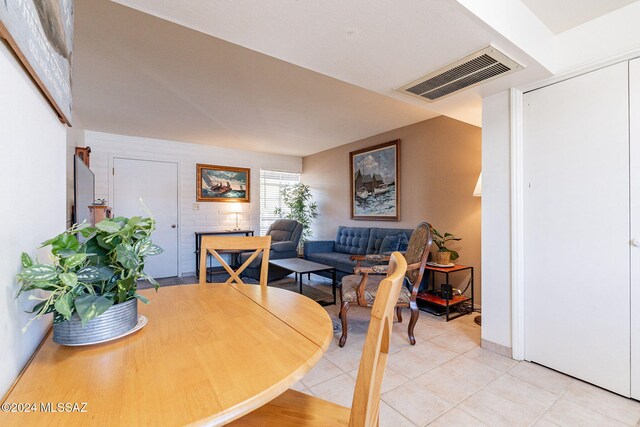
[[222, 183], [375, 182]]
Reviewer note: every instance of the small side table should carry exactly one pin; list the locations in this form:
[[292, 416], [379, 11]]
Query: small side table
[[432, 302]]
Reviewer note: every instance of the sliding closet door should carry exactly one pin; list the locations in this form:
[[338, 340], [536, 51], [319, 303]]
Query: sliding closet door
[[576, 249], [634, 115]]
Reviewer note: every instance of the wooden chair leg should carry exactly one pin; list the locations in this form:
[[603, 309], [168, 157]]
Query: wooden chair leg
[[399, 314], [343, 316], [415, 312]]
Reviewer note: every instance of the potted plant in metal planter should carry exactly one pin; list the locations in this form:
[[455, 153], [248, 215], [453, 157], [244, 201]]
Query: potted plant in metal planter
[[444, 255], [92, 283]]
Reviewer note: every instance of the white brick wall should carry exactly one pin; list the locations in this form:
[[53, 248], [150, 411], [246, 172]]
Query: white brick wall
[[210, 216]]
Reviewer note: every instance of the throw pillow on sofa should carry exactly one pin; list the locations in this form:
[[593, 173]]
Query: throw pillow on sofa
[[389, 244], [404, 242]]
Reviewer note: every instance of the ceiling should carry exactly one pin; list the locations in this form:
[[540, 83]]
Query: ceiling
[[560, 16], [138, 75], [286, 77]]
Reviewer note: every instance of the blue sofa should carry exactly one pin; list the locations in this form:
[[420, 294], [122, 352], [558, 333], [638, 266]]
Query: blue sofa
[[352, 241]]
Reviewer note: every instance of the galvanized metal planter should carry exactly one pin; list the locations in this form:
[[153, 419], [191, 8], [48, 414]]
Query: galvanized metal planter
[[114, 322]]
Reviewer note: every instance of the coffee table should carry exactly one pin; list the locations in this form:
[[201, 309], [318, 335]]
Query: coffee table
[[301, 266]]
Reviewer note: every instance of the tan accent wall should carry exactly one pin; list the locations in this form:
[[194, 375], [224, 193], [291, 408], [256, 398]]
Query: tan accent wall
[[440, 160]]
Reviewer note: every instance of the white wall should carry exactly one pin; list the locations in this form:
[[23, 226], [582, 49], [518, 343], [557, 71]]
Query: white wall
[[496, 223], [518, 24], [616, 33], [210, 216], [32, 190]]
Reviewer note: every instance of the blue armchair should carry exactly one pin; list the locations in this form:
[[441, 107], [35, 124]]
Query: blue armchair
[[285, 237]]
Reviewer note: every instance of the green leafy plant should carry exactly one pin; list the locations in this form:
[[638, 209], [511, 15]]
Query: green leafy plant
[[300, 206], [89, 277], [441, 242]]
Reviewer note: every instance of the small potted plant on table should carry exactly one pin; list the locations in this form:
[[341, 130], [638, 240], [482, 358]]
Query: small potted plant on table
[[444, 255], [92, 284]]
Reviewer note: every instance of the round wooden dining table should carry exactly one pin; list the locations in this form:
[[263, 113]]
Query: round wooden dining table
[[208, 355]]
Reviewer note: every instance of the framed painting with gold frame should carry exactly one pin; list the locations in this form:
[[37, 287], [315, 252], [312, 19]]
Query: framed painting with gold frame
[[216, 183]]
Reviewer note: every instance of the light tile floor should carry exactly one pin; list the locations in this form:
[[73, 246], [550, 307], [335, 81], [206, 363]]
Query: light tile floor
[[447, 379]]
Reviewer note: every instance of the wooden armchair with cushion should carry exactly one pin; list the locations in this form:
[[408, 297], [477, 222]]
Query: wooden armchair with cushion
[[296, 409], [362, 287]]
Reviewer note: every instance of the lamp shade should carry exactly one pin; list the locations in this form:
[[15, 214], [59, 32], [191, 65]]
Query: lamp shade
[[477, 192], [236, 208]]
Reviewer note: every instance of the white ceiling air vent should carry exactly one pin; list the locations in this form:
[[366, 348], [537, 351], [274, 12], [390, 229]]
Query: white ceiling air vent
[[482, 66]]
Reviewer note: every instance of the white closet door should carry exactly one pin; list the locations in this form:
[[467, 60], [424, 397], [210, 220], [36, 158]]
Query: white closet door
[[156, 183], [576, 249], [634, 115]]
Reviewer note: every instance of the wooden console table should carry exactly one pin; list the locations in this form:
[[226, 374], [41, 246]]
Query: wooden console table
[[199, 235]]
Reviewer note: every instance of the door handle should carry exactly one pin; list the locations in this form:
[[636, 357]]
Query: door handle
[[173, 226], [635, 242]]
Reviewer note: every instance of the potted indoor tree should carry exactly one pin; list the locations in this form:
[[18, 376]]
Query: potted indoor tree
[[300, 207], [92, 283], [444, 255]]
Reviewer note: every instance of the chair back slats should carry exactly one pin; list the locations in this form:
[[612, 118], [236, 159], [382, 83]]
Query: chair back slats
[[418, 251], [366, 398], [212, 244]]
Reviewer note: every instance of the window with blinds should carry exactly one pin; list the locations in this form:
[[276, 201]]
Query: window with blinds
[[271, 184]]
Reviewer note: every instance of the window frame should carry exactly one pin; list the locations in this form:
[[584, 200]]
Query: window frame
[[270, 180]]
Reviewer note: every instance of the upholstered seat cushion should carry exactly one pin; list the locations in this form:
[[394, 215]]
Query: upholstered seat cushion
[[334, 259], [285, 246], [350, 284]]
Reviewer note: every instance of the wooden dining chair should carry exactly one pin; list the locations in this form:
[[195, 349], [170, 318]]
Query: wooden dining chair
[[294, 408], [215, 245]]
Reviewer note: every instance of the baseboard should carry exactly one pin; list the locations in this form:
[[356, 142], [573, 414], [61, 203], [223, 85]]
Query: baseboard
[[497, 348]]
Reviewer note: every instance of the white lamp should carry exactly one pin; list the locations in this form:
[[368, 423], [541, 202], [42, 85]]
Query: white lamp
[[477, 192], [236, 208]]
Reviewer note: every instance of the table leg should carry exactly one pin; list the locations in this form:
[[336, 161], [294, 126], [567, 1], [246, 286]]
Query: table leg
[[206, 269], [333, 284], [447, 288], [472, 306], [197, 255]]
